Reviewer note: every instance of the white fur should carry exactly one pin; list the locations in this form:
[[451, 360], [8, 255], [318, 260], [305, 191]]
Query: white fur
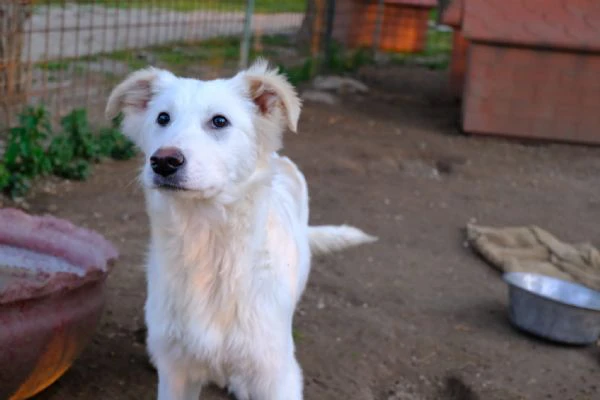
[[229, 255]]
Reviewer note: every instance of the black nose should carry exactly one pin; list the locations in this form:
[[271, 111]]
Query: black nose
[[166, 161]]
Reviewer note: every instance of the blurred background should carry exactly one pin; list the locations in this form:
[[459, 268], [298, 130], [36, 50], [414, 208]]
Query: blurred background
[[68, 54]]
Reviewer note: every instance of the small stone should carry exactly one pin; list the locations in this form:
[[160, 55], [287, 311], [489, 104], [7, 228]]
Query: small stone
[[339, 84], [316, 96], [320, 304]]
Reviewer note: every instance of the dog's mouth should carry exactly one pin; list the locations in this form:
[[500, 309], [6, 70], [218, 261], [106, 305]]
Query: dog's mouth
[[168, 184], [170, 187], [176, 185]]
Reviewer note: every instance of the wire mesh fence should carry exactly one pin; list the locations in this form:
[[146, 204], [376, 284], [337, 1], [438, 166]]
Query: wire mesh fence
[[67, 54]]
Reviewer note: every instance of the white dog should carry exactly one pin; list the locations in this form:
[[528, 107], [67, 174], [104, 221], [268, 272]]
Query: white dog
[[230, 243]]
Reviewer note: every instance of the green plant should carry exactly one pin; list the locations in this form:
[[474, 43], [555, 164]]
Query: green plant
[[264, 6], [300, 73], [113, 144], [77, 130], [68, 155], [4, 177], [340, 60], [25, 157], [54, 65], [61, 152]]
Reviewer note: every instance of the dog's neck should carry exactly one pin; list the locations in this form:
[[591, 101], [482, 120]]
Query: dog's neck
[[210, 236]]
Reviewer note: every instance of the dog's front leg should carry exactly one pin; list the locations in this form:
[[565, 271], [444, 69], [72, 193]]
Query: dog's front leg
[[280, 384], [174, 385]]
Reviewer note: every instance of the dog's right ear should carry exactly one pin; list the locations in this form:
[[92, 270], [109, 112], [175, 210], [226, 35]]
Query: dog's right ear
[[133, 94]]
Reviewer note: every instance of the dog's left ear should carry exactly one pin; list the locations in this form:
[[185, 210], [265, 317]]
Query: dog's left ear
[[273, 95]]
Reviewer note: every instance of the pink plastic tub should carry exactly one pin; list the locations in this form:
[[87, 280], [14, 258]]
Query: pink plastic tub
[[52, 276]]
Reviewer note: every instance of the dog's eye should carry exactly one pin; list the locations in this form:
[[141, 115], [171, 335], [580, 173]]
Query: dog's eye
[[219, 121], [163, 119]]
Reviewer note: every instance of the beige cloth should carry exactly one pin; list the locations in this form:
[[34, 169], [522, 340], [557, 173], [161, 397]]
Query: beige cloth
[[532, 249]]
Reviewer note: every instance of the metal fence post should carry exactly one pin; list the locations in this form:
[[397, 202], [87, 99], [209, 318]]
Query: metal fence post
[[247, 36], [329, 32]]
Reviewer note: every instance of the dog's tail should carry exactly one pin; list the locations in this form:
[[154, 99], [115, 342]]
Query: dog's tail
[[328, 238]]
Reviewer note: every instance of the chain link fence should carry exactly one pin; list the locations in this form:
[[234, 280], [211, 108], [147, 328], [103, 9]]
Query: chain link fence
[[69, 54]]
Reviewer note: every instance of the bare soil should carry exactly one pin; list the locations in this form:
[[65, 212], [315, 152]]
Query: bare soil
[[414, 316]]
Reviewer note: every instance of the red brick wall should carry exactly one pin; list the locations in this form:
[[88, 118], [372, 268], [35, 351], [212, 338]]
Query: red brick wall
[[532, 93]]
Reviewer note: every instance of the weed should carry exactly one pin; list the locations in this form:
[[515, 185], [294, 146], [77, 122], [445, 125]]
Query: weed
[[277, 40], [64, 163], [113, 144], [77, 131], [70, 154], [263, 6], [436, 54], [25, 146], [300, 73], [128, 57], [297, 335], [4, 176], [341, 61], [24, 157], [54, 65]]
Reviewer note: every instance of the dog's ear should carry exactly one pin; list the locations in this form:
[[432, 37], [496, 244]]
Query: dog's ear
[[133, 94], [273, 95]]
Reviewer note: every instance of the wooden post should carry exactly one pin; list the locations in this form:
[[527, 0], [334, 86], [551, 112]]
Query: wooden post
[[315, 43], [13, 15]]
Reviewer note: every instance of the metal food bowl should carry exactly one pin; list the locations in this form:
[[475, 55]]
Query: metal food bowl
[[554, 309]]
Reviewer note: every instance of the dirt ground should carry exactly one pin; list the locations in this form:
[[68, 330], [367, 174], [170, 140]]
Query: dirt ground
[[414, 316]]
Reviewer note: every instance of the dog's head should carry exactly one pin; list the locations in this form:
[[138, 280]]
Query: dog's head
[[203, 138]]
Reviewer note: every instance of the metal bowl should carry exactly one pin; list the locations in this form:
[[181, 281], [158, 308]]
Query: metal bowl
[[554, 309]]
